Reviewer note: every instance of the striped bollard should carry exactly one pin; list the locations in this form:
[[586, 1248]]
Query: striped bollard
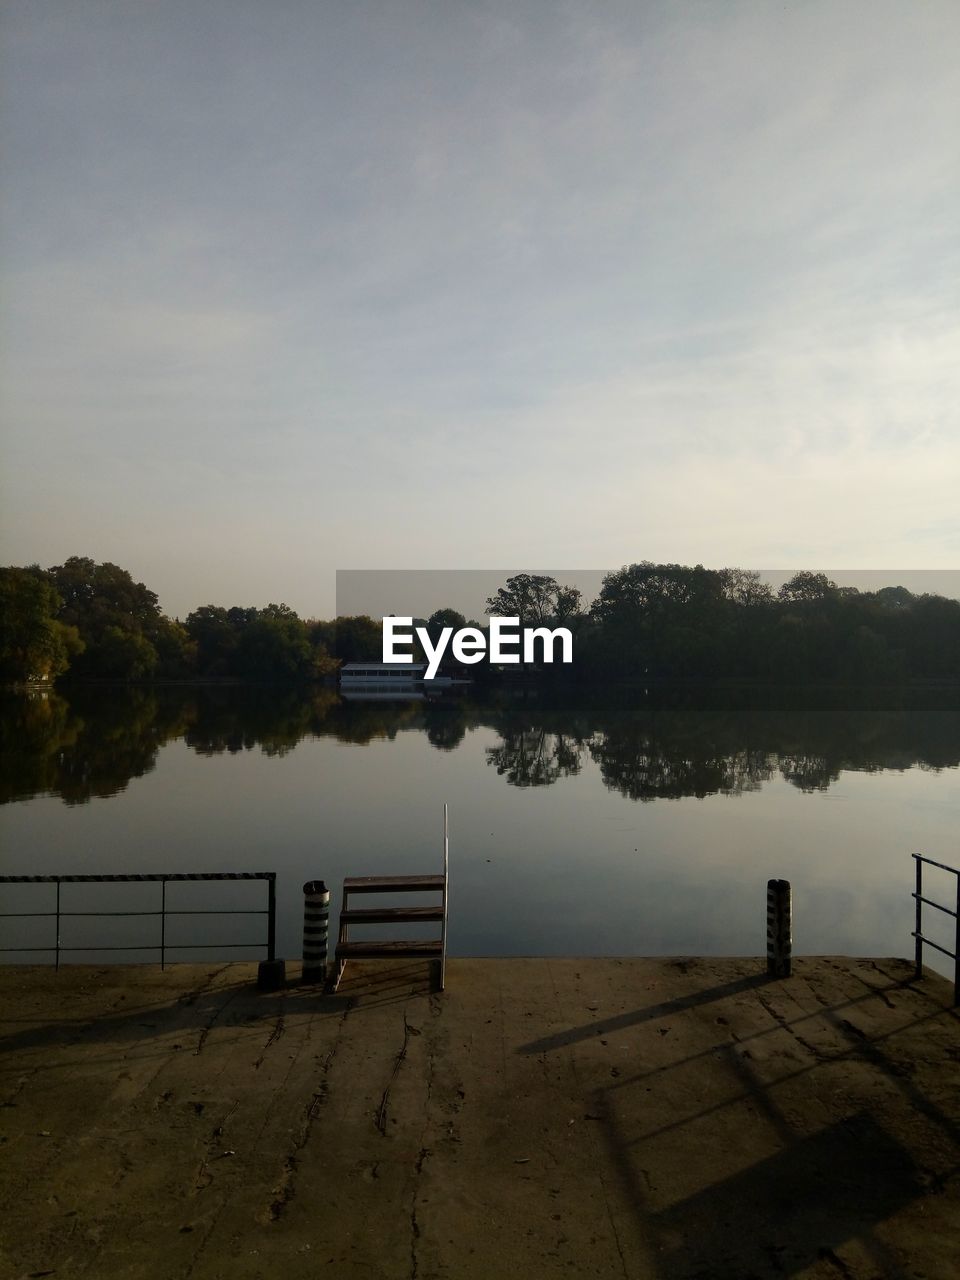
[[316, 919], [779, 928]]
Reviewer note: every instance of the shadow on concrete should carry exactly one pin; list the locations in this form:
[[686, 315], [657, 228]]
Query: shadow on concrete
[[196, 1013], [792, 1210], [800, 1209], [604, 1026]]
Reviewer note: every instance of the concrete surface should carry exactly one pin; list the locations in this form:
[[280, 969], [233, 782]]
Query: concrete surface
[[540, 1118]]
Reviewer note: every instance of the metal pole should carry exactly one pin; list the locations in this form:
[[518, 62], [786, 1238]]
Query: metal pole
[[316, 920], [779, 928], [272, 918], [57, 965], [163, 924], [956, 952], [918, 917], [446, 892]]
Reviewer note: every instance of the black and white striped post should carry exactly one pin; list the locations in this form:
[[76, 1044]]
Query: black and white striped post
[[316, 922], [779, 928]]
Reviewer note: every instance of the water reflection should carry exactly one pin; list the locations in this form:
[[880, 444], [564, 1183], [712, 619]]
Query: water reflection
[[91, 742], [535, 758]]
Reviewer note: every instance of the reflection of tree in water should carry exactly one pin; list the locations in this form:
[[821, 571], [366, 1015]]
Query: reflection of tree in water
[[445, 723], [90, 741], [689, 744], [536, 758], [808, 772], [88, 746], [240, 719], [642, 769], [36, 731]]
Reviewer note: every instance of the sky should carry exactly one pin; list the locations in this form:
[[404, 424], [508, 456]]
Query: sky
[[306, 285]]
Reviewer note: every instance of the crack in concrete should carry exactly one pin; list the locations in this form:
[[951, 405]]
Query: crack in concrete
[[284, 1189], [414, 1225], [817, 1054], [424, 1152], [275, 1034], [381, 1116]]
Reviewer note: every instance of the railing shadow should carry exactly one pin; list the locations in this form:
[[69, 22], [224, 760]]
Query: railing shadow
[[770, 1197]]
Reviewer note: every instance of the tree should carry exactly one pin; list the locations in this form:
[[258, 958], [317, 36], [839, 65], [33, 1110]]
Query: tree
[[176, 652], [894, 597], [661, 620], [743, 587], [34, 644], [534, 599], [125, 655], [216, 636], [807, 586], [435, 624], [275, 647], [441, 618], [101, 600], [358, 639]]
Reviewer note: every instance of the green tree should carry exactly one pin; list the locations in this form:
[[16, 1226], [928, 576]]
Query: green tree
[[34, 644], [809, 587], [176, 652], [661, 620], [216, 632], [275, 646], [125, 655], [535, 599], [101, 600], [358, 639]]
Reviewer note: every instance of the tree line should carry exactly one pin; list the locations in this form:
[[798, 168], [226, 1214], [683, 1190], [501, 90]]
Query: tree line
[[650, 623]]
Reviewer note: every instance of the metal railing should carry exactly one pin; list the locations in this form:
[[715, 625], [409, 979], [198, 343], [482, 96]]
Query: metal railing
[[58, 914], [918, 931]]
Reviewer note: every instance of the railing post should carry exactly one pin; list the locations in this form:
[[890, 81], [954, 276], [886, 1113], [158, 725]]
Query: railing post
[[57, 965], [918, 918], [956, 951], [163, 925], [316, 923], [272, 917], [779, 928], [271, 973]]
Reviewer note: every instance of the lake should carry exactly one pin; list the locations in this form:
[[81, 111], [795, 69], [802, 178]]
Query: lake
[[620, 822]]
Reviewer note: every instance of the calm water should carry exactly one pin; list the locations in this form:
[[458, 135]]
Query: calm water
[[618, 824]]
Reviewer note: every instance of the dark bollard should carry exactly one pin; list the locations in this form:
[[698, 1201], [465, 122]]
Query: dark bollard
[[779, 928], [316, 919], [271, 975]]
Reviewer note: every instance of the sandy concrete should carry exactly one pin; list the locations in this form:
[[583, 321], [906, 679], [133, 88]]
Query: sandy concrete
[[638, 1118]]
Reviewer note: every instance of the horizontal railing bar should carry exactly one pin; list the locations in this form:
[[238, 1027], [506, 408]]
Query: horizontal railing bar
[[23, 915], [936, 945], [52, 947], [205, 946], [193, 911], [149, 946], [64, 915], [931, 903], [930, 862], [134, 879]]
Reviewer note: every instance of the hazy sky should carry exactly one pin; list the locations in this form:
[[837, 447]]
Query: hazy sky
[[300, 285]]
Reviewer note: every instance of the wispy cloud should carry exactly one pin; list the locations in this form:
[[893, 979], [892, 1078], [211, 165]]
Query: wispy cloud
[[573, 283]]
